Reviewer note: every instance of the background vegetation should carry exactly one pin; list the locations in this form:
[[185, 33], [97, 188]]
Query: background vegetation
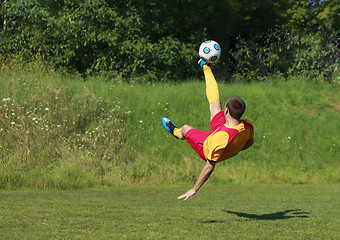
[[84, 85], [59, 132], [153, 41]]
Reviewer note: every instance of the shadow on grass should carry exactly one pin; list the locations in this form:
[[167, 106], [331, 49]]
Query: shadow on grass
[[293, 213]]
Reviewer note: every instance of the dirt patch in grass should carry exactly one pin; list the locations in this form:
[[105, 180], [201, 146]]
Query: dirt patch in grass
[[310, 111], [335, 100]]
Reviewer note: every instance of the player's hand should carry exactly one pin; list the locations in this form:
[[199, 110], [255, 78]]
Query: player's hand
[[188, 194], [202, 62]]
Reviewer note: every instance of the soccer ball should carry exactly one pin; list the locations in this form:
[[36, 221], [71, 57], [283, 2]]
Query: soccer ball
[[210, 51]]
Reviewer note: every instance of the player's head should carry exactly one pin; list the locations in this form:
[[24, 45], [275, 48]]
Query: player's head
[[236, 106]]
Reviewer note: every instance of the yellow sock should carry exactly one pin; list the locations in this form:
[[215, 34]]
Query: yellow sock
[[177, 133], [212, 92]]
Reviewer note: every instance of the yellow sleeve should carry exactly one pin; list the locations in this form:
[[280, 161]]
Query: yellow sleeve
[[217, 145]]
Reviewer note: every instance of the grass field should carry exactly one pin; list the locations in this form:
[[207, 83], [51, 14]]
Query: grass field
[[216, 212], [61, 132], [103, 142]]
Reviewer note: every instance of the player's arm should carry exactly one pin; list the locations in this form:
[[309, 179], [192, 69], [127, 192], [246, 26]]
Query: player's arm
[[202, 178], [212, 92]]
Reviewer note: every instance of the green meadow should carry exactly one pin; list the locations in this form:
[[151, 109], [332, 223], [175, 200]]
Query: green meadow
[[62, 132], [91, 160], [84, 86]]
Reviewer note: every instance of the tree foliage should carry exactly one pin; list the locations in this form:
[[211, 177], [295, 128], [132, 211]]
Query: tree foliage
[[158, 40], [307, 43]]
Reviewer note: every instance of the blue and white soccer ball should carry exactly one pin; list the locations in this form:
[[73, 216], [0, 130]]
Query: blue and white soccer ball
[[210, 51]]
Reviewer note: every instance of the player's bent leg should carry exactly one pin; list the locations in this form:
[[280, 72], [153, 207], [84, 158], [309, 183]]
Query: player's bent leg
[[178, 133], [196, 139], [184, 129]]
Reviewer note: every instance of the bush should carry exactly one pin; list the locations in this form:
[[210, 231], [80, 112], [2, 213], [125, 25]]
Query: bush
[[144, 41], [89, 37], [286, 51]]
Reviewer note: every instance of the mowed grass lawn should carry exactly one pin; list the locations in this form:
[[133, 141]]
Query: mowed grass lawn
[[216, 212]]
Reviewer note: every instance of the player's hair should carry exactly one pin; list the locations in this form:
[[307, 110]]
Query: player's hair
[[236, 106]]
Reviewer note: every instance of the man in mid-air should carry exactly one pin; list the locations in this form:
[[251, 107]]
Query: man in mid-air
[[228, 136]]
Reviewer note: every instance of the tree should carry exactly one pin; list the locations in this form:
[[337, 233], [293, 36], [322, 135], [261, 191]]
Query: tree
[[158, 40]]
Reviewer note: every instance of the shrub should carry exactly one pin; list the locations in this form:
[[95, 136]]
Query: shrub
[[89, 37], [286, 51]]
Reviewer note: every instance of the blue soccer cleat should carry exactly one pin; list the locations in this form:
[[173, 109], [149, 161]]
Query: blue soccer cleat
[[168, 125], [202, 62]]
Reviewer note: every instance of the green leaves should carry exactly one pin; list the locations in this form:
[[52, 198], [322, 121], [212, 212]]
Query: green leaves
[[287, 50], [145, 41]]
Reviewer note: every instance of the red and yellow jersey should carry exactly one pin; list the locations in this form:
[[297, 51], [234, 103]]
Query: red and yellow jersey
[[227, 141]]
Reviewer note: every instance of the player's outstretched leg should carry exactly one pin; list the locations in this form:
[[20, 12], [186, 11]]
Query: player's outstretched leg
[[171, 128]]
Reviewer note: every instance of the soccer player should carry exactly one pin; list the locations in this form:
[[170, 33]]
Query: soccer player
[[228, 136]]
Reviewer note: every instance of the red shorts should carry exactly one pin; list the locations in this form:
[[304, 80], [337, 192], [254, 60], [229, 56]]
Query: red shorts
[[197, 137]]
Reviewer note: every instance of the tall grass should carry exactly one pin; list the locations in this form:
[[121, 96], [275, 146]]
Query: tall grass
[[62, 132]]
